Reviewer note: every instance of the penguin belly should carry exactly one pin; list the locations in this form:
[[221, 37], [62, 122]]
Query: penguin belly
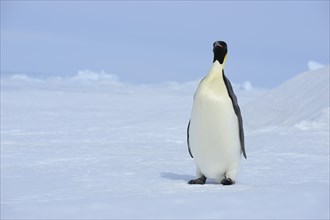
[[214, 133]]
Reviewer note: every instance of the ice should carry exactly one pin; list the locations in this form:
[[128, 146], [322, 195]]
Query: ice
[[103, 150]]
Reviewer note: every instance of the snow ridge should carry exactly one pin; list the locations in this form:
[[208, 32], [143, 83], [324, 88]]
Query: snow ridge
[[302, 101]]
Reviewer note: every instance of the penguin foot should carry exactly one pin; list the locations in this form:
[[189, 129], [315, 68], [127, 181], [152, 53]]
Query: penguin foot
[[200, 181], [227, 181]]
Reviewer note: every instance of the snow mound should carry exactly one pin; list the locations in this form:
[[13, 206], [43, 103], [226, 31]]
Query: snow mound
[[88, 75], [24, 78], [245, 86], [301, 102], [313, 65], [81, 76]]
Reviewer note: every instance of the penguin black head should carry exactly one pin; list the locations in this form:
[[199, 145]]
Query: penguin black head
[[220, 51]]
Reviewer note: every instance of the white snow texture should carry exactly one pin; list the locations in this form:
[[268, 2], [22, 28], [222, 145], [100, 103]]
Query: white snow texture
[[93, 147]]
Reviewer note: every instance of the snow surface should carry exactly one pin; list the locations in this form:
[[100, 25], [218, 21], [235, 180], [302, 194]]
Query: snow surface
[[90, 146]]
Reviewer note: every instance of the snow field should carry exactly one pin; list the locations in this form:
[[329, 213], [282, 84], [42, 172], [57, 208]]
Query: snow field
[[102, 150]]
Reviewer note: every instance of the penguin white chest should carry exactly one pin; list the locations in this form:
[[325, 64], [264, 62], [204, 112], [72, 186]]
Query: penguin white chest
[[214, 131]]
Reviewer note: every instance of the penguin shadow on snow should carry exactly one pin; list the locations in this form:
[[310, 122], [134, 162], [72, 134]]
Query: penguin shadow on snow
[[185, 178], [175, 176]]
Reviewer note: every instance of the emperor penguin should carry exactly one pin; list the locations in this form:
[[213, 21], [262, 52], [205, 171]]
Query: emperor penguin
[[215, 134]]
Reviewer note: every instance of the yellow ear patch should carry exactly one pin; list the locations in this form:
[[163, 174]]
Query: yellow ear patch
[[225, 58]]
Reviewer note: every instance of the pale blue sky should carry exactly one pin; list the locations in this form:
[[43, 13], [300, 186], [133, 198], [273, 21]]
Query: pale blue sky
[[147, 42]]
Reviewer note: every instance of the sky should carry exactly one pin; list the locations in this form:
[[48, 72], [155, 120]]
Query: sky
[[151, 42]]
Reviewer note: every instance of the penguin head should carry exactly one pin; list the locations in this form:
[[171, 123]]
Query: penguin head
[[220, 51]]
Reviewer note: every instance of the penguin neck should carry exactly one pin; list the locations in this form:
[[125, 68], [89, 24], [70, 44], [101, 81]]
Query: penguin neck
[[216, 71]]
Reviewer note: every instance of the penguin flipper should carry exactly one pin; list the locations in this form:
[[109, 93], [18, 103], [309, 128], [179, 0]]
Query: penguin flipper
[[237, 112], [188, 140]]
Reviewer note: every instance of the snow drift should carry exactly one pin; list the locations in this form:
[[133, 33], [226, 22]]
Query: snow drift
[[302, 101], [313, 65]]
